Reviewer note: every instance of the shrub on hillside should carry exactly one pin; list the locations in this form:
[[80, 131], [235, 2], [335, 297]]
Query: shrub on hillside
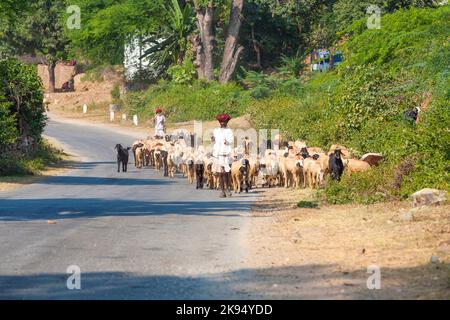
[[361, 105], [202, 101]]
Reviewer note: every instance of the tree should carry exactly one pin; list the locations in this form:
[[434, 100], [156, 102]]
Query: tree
[[304, 15], [268, 37], [324, 35], [47, 31], [39, 31], [232, 49], [169, 42], [20, 100], [107, 26], [8, 8], [8, 17], [205, 43]]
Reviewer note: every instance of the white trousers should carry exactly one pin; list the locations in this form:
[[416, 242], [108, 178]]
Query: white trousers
[[222, 161], [160, 132]]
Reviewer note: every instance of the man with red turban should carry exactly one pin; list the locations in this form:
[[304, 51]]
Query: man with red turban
[[160, 124], [223, 139]]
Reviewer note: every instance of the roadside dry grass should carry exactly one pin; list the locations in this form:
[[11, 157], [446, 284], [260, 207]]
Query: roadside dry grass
[[324, 253]]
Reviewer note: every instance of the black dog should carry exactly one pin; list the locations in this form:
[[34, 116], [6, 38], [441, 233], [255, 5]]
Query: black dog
[[122, 157], [336, 165]]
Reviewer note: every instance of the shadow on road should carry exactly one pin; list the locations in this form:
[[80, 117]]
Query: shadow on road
[[309, 281], [119, 181], [91, 164], [240, 284], [41, 209]]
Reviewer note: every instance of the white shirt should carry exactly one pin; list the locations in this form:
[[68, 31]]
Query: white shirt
[[160, 121], [221, 135]]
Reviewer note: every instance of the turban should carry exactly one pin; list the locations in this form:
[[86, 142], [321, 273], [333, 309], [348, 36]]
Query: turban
[[224, 117]]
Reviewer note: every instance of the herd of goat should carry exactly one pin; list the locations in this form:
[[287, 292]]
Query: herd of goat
[[293, 165]]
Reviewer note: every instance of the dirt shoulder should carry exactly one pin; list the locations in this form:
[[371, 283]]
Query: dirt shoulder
[[324, 253]]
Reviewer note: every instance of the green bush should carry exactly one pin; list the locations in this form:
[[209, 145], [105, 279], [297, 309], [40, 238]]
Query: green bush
[[308, 204], [115, 92], [8, 129], [201, 100], [182, 74], [33, 164], [21, 96]]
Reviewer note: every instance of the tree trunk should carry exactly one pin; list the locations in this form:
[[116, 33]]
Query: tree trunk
[[205, 23], [256, 48], [331, 60], [232, 50], [51, 76], [199, 64]]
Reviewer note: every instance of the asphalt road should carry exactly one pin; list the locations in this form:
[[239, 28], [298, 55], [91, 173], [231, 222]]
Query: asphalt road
[[134, 235]]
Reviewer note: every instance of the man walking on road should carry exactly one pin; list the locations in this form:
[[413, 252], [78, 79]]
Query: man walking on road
[[223, 139], [160, 124]]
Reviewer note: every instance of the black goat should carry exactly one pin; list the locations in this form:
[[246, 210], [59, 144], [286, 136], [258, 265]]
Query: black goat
[[411, 115], [199, 170], [304, 153], [245, 170], [164, 155], [335, 165], [152, 158], [209, 182], [122, 157]]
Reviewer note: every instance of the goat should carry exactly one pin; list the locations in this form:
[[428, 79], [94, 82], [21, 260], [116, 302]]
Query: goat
[[146, 155], [293, 171], [190, 170], [240, 175], [313, 171], [304, 152], [313, 150], [253, 171], [270, 169], [345, 153], [323, 160], [136, 144], [412, 115], [208, 174], [122, 157], [171, 167], [335, 165], [164, 156], [355, 165], [199, 171], [139, 157], [158, 160]]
